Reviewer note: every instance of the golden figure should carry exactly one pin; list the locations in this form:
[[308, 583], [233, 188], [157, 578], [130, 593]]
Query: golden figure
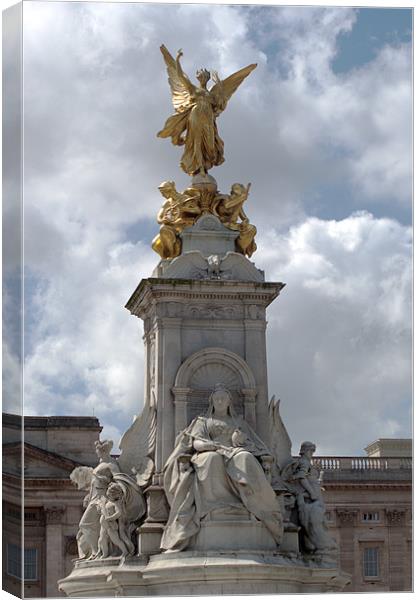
[[229, 208], [178, 211], [194, 123]]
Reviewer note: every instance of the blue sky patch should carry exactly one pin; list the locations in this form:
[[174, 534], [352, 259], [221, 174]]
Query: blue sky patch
[[373, 29]]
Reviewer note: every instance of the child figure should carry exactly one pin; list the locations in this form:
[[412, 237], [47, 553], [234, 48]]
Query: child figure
[[113, 524]]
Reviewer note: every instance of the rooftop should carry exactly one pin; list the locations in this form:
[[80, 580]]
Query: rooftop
[[53, 422]]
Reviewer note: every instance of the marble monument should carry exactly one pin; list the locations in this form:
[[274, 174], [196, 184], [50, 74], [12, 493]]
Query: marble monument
[[205, 496]]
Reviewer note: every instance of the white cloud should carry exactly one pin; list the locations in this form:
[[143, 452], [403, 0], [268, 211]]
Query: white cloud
[[96, 94], [340, 333], [87, 349]]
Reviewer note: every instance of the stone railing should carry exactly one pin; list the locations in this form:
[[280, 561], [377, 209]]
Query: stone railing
[[360, 463]]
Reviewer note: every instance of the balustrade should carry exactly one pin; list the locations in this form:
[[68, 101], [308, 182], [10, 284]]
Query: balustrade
[[360, 463]]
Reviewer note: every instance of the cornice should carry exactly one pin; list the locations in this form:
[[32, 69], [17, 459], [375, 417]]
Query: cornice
[[14, 421], [16, 482], [154, 289], [376, 485], [15, 448]]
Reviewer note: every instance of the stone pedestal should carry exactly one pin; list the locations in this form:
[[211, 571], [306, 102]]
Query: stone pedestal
[[234, 536], [149, 538], [198, 333], [209, 237], [200, 574]]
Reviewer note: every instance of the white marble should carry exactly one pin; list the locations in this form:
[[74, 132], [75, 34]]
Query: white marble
[[194, 265], [216, 476], [304, 482], [233, 535], [197, 573], [209, 236]]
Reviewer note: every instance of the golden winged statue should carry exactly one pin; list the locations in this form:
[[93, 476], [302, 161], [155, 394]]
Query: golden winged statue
[[194, 123]]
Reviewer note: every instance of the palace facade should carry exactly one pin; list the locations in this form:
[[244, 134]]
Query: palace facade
[[52, 448], [368, 500]]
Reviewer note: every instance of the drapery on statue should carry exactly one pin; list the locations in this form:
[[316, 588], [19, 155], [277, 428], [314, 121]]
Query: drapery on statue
[[194, 123], [229, 208], [115, 503], [182, 209], [96, 481], [179, 210], [218, 464]]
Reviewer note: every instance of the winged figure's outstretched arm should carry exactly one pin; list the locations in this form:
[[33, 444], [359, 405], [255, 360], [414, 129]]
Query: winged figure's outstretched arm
[[223, 90], [180, 85]]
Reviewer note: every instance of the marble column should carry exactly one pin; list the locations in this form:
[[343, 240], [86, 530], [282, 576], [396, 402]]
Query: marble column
[[54, 548], [347, 519], [181, 408], [249, 396], [255, 356], [168, 349], [396, 548]]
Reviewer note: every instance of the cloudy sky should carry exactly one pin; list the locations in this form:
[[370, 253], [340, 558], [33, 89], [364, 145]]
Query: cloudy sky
[[322, 129]]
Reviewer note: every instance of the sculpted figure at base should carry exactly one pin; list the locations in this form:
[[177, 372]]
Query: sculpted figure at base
[[194, 123], [216, 468], [115, 503], [229, 209], [114, 524], [303, 480], [100, 477]]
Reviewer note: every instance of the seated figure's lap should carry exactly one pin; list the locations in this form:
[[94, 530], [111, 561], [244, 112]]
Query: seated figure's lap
[[215, 487]]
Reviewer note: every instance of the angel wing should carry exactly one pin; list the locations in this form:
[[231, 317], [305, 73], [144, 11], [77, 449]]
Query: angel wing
[[280, 440], [223, 90], [190, 265], [137, 446], [179, 82], [236, 266]]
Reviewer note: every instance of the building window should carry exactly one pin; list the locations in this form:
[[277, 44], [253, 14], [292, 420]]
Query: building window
[[370, 562], [370, 516], [31, 559], [14, 562]]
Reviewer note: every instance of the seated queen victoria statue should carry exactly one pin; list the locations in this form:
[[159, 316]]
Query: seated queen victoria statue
[[219, 469]]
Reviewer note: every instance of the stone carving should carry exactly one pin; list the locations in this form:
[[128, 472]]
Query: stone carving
[[280, 442], [214, 312], [303, 481], [215, 469], [70, 545], [152, 360], [194, 123], [114, 524], [214, 263], [100, 477], [115, 502], [194, 265], [54, 514], [346, 516], [137, 446], [394, 516]]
